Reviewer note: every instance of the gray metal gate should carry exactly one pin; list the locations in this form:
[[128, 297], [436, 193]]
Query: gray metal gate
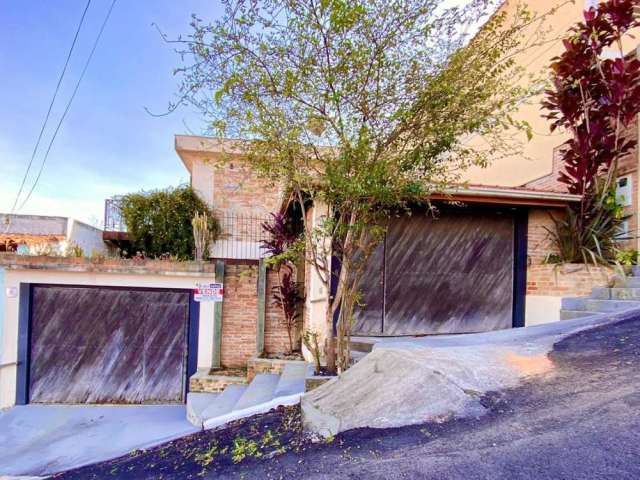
[[108, 345], [451, 274]]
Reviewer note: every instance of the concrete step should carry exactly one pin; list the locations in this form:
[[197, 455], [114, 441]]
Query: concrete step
[[197, 403], [361, 345], [291, 380], [225, 402], [573, 303], [600, 293], [608, 305], [571, 314], [260, 390], [628, 282], [635, 270], [624, 293], [356, 356]]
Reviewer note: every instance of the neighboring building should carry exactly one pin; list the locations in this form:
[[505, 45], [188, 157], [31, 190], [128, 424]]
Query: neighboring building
[[47, 235], [538, 164]]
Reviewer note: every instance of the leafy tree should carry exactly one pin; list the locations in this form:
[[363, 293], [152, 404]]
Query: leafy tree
[[596, 98], [359, 107], [159, 221]]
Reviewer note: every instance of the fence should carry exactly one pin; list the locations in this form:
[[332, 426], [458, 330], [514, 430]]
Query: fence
[[113, 221], [241, 237]]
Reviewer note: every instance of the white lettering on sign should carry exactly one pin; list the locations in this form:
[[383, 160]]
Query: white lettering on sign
[[208, 292], [12, 292]]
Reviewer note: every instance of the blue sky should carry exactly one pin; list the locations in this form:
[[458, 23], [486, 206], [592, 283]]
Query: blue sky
[[108, 144]]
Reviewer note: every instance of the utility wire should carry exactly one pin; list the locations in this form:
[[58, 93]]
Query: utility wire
[[66, 110], [55, 94]]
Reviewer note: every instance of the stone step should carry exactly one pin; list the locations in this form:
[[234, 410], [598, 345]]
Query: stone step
[[260, 390], [628, 282], [608, 305], [571, 314], [208, 381], [291, 379], [635, 270], [197, 403], [225, 402]]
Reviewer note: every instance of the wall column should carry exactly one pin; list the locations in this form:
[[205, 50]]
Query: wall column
[[262, 300], [217, 321]]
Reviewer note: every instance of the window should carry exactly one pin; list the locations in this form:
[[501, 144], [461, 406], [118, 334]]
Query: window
[[590, 3], [624, 193]]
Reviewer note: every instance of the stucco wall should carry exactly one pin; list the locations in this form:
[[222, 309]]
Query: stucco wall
[[85, 236], [13, 278]]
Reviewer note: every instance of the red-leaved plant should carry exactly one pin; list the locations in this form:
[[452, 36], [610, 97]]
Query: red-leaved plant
[[287, 296], [596, 97], [287, 293]]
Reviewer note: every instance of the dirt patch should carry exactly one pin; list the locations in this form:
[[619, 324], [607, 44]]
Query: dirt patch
[[207, 453], [229, 372], [283, 356]]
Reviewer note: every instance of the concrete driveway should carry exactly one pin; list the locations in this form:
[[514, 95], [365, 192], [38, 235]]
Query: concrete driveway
[[37, 440]]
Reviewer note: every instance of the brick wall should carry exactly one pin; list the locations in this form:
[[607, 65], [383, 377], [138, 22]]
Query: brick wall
[[276, 339], [556, 280], [239, 317], [566, 280], [239, 314], [539, 244], [550, 181], [239, 190]]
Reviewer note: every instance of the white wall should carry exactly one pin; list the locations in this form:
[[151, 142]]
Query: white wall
[[202, 180], [9, 314], [86, 237], [541, 309]]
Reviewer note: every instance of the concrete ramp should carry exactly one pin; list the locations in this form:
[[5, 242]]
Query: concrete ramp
[[412, 381]]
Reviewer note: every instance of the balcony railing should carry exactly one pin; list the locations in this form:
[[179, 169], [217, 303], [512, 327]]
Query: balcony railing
[[113, 221], [240, 239]]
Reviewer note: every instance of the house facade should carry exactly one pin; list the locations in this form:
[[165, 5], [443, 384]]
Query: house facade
[[477, 266]]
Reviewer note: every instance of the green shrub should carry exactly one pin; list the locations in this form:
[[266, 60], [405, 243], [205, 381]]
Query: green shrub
[[589, 235], [159, 221], [627, 257]]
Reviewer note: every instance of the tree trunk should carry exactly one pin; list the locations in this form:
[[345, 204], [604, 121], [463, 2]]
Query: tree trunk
[[330, 342]]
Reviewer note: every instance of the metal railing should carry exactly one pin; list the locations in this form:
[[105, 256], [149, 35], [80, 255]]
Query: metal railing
[[113, 221], [241, 237]]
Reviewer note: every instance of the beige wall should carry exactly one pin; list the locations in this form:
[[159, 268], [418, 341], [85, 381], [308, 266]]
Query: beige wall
[[13, 278], [537, 155]]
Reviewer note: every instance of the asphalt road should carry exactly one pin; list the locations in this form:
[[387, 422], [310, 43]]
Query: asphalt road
[[582, 421]]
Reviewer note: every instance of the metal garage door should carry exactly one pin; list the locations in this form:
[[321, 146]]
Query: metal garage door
[[107, 345], [451, 274]]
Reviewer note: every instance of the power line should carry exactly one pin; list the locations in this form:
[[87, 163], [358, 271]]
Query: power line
[[66, 110], [53, 99]]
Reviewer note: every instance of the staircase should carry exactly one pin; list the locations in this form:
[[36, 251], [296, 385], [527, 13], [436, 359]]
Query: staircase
[[624, 295], [266, 391]]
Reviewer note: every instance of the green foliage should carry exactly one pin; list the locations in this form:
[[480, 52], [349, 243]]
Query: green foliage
[[208, 456], [588, 236], [159, 221], [310, 340], [364, 106], [626, 257], [243, 448]]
